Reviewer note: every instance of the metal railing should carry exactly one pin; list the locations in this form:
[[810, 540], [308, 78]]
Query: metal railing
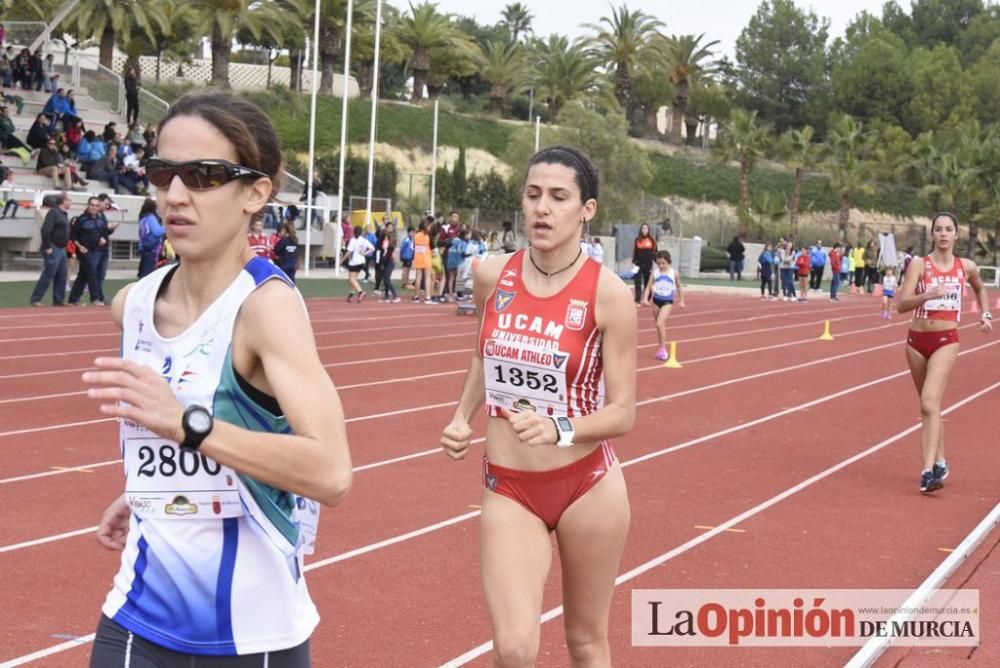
[[101, 83]]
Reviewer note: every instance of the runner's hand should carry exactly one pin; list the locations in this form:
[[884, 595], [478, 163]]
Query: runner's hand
[[531, 427], [936, 292], [136, 393], [456, 438], [113, 529], [985, 325]]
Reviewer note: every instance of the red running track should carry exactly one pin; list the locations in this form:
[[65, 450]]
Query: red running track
[[759, 408]]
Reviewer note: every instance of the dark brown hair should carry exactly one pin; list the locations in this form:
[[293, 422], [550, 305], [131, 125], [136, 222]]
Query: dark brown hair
[[242, 122], [586, 173]]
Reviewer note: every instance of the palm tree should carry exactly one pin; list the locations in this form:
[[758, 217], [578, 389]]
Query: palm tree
[[976, 149], [562, 72], [423, 30], [744, 139], [115, 20], [503, 66], [222, 19], [619, 43], [799, 152], [333, 22], [687, 62], [848, 165], [651, 86], [517, 19]]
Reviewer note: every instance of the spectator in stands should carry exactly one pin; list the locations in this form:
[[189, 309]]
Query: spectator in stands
[[90, 150], [110, 131], [260, 243], [5, 70], [150, 139], [22, 71], [106, 168], [55, 236], [134, 135], [72, 113], [37, 65], [134, 174], [132, 95], [58, 107], [150, 237], [8, 139], [70, 162], [286, 250], [87, 234], [49, 76], [40, 132], [50, 163], [74, 134]]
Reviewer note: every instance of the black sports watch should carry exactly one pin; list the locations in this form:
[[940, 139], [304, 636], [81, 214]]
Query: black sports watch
[[197, 423]]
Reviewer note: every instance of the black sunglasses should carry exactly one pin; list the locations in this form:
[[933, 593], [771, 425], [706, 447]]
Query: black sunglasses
[[197, 174]]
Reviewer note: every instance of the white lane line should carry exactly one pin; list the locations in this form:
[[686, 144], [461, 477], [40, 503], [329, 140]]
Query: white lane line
[[47, 539], [449, 352], [42, 653], [553, 613], [871, 650]]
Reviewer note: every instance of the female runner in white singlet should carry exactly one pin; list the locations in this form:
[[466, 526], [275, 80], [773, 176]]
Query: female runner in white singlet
[[231, 429], [551, 319]]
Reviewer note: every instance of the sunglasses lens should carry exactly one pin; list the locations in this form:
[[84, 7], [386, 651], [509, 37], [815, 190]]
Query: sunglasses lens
[[196, 176]]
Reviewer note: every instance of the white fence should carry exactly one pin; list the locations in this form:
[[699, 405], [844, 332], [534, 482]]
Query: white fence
[[242, 76]]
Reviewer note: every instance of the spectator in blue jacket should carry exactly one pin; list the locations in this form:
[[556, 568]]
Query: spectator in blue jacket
[[817, 262], [151, 234], [765, 267]]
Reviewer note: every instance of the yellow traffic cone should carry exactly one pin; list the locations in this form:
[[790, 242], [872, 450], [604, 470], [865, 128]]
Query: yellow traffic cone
[[827, 336], [672, 362]]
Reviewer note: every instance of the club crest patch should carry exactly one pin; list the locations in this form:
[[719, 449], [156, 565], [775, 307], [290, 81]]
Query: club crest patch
[[503, 300], [576, 314]]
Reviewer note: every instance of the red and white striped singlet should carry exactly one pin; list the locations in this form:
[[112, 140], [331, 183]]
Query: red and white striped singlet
[[542, 353], [948, 307]]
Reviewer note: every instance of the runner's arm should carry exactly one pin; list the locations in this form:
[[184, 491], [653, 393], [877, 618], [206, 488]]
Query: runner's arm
[[313, 460]]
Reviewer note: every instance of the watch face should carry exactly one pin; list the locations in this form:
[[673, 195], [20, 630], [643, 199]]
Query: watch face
[[564, 424], [200, 421]]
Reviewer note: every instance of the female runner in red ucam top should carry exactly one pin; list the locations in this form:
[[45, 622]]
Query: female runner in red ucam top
[[934, 288], [552, 320]]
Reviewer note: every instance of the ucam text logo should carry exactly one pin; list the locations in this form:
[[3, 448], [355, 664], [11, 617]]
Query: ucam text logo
[[525, 323], [801, 618]]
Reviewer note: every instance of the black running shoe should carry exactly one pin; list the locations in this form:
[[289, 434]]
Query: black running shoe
[[929, 482], [940, 472]]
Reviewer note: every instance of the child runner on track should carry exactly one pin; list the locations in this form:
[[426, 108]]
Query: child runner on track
[[665, 289], [933, 288], [888, 292], [551, 320]]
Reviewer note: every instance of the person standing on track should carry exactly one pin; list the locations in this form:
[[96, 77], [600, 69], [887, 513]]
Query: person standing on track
[[422, 261], [359, 249], [664, 289], [643, 252], [932, 287], [229, 424], [551, 321]]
